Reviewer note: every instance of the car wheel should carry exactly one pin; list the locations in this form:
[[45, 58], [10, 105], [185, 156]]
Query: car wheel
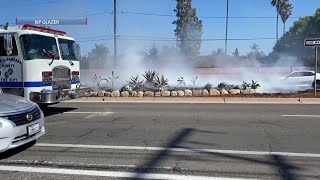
[[318, 84]]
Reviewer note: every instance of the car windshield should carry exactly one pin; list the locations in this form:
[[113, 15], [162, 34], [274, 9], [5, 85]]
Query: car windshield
[[68, 49], [37, 46]]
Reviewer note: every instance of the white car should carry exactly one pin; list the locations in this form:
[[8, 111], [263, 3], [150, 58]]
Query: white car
[[301, 79], [21, 121]]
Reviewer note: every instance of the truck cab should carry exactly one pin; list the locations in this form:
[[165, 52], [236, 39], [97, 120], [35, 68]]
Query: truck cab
[[40, 64]]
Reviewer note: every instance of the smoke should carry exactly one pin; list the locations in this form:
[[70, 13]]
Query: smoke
[[174, 65]]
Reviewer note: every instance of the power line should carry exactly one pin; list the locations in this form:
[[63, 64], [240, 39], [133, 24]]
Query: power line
[[203, 17], [40, 3]]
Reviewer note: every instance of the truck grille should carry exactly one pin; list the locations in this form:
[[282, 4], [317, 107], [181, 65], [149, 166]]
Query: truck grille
[[21, 119], [61, 78]]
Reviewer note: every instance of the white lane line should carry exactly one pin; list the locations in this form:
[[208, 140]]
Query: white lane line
[[192, 150], [77, 112], [115, 174], [300, 115]]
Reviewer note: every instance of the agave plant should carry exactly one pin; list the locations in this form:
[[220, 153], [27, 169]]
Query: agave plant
[[245, 85], [99, 79], [208, 86], [134, 80], [149, 76], [181, 81], [112, 78], [194, 80], [255, 85], [160, 82]]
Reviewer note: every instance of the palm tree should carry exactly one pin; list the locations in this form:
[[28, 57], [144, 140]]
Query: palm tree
[[285, 13], [277, 4]]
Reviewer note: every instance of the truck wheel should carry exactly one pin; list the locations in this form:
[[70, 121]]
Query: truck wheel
[[43, 106]]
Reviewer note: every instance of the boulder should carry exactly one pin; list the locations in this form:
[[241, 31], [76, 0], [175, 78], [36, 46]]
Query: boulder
[[140, 94], [124, 94], [214, 92], [205, 93], [115, 94], [197, 93], [248, 91], [174, 93], [101, 93], [157, 94], [107, 94], [148, 94], [258, 90], [134, 93], [187, 92], [235, 91], [180, 93], [224, 92], [93, 94], [165, 93]]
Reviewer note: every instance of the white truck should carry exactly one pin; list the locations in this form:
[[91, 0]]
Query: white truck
[[39, 64]]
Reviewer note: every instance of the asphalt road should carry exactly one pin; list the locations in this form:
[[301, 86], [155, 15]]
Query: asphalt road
[[177, 141]]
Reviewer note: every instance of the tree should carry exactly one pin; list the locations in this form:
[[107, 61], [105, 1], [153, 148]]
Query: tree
[[153, 55], [255, 52], [97, 57], [285, 12], [236, 53], [277, 4], [188, 28], [292, 42], [218, 52]]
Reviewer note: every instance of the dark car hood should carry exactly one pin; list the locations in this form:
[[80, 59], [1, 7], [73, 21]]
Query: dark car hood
[[12, 104]]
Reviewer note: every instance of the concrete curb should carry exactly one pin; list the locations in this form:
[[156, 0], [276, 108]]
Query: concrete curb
[[196, 100]]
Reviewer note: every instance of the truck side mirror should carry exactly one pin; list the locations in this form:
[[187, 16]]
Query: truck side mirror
[[8, 46]]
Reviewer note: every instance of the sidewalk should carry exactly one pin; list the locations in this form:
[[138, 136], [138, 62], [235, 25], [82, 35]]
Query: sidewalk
[[196, 100]]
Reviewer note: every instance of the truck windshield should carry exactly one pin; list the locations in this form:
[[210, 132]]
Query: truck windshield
[[68, 49], [36, 46]]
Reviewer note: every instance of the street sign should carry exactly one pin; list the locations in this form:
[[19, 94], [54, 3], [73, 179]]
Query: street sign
[[312, 42]]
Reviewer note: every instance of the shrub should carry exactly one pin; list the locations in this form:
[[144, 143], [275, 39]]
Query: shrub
[[159, 83], [224, 85], [149, 76], [254, 85], [181, 81]]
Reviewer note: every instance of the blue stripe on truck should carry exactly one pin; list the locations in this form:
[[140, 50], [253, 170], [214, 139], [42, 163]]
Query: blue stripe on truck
[[26, 84]]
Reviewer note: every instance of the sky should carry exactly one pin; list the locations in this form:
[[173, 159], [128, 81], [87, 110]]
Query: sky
[[146, 23]]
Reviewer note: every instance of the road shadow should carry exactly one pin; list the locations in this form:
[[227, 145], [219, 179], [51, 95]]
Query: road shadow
[[280, 165], [49, 111], [12, 152]]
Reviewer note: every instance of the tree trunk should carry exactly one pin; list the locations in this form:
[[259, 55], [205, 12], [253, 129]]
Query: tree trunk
[[284, 28], [277, 27]]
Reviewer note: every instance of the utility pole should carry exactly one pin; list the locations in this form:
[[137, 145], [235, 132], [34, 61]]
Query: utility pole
[[227, 21], [115, 33], [315, 71]]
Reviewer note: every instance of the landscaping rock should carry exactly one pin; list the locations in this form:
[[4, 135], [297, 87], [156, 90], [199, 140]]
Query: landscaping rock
[[93, 94], [197, 93], [180, 93], [187, 92], [101, 93], [248, 91], [134, 93], [258, 90], [174, 93], [115, 94], [235, 91], [107, 94], [140, 94], [214, 92], [148, 94], [205, 93], [224, 92], [157, 94], [124, 94], [165, 93]]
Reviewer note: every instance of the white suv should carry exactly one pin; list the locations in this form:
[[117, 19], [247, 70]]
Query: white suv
[[21, 121], [303, 79]]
